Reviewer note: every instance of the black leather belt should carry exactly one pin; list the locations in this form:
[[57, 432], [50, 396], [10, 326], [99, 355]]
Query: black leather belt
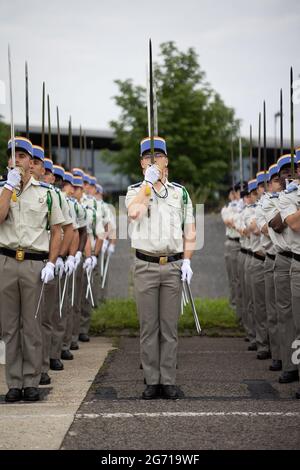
[[296, 256], [250, 253], [260, 257], [233, 239], [271, 256], [243, 250], [286, 254], [158, 259], [21, 255]]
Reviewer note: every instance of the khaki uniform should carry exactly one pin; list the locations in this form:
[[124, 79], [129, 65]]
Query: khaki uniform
[[282, 267], [272, 315], [289, 203], [158, 286], [26, 227]]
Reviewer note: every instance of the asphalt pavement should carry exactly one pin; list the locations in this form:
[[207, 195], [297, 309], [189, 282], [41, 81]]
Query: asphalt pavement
[[231, 401]]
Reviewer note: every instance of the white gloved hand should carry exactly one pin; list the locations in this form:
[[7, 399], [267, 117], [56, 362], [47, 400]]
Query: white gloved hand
[[13, 179], [94, 261], [70, 265], [59, 267], [47, 273], [111, 248], [152, 174], [88, 265], [186, 271], [104, 245], [78, 257]]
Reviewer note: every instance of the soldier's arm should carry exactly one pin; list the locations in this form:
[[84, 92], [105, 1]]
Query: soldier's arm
[[5, 199], [82, 238], [88, 248], [277, 224], [74, 243], [55, 242], [189, 241], [138, 206], [67, 240]]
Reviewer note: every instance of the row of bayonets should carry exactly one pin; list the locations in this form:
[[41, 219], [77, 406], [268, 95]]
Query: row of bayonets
[[82, 135], [259, 162]]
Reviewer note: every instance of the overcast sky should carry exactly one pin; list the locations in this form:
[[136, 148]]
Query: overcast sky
[[80, 47]]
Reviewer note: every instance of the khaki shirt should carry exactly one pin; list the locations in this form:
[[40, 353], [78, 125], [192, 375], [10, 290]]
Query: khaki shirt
[[229, 213], [159, 231], [26, 223], [270, 206], [261, 221], [80, 214], [71, 201], [65, 208], [289, 204]]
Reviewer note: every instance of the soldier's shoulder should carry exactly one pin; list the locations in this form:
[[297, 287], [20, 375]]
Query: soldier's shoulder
[[135, 185], [2, 183]]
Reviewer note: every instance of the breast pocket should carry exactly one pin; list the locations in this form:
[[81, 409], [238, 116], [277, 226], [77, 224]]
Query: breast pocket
[[174, 212], [37, 215]]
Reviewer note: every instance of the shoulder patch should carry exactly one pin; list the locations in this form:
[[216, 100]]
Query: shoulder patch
[[136, 185]]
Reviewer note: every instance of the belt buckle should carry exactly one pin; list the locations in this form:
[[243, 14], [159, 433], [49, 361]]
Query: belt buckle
[[20, 254], [163, 260]]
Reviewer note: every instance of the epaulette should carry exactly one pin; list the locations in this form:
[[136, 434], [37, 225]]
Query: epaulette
[[136, 185], [274, 196], [291, 188], [177, 185]]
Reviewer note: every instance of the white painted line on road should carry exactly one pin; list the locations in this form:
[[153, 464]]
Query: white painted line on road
[[188, 414]]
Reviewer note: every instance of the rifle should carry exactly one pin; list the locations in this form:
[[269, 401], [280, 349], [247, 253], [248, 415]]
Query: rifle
[[26, 100]]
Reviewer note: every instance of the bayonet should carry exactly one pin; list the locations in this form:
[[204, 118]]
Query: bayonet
[[251, 154], [80, 146], [265, 145], [281, 124], [58, 132], [292, 124], [12, 127], [232, 161], [70, 144], [43, 116], [241, 163], [93, 157], [151, 103], [49, 129], [259, 143], [85, 152]]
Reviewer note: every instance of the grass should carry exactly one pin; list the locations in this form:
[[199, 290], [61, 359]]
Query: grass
[[119, 316]]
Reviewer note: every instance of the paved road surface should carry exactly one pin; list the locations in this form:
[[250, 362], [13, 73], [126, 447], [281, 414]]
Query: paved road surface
[[232, 401]]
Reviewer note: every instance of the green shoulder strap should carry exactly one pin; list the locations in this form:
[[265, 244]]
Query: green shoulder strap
[[49, 204], [185, 198], [59, 196]]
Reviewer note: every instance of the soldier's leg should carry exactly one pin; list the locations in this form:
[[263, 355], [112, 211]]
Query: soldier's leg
[[241, 273], [235, 250], [86, 310], [77, 302], [227, 253], [58, 321], [295, 287], [286, 326], [272, 315], [259, 302], [146, 283], [11, 321], [96, 284], [249, 315], [30, 288], [47, 313], [169, 311], [68, 320]]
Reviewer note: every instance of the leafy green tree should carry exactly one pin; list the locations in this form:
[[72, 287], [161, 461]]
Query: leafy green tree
[[192, 117], [4, 137]]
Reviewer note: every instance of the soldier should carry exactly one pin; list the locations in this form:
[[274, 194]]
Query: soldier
[[289, 205], [282, 266], [161, 242], [227, 249], [267, 244], [24, 246]]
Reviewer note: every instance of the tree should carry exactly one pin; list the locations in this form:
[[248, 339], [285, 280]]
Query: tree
[[192, 117], [4, 137]]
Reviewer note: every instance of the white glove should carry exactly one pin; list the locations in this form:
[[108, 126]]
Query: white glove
[[111, 248], [13, 179], [104, 245], [152, 174], [291, 187], [47, 273], [186, 271], [59, 267], [88, 265], [94, 261], [70, 265], [78, 257]]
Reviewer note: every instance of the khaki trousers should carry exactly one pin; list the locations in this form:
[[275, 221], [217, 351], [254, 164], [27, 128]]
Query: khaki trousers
[[48, 313], [295, 286], [77, 302], [86, 306], [227, 252], [241, 272], [249, 314], [20, 288], [235, 248], [158, 296], [68, 317], [283, 294], [59, 323], [272, 314], [259, 303]]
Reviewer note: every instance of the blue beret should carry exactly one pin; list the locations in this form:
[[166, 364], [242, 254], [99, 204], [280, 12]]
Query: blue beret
[[260, 177], [48, 164], [68, 177], [273, 170], [58, 171], [77, 181], [284, 160], [21, 143], [77, 172], [252, 185], [297, 158], [159, 144], [38, 152]]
